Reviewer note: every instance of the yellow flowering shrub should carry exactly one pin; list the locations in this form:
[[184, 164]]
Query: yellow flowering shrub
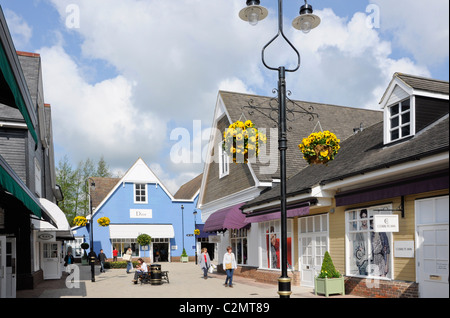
[[242, 140], [320, 147], [103, 221]]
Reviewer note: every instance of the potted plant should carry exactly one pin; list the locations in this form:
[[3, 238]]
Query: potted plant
[[241, 140], [80, 221], [184, 257], [103, 221], [84, 258], [144, 239], [320, 147], [329, 281]]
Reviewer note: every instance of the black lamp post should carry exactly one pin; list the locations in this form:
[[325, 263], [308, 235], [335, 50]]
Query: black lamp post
[[305, 22], [92, 255], [195, 235], [182, 224]]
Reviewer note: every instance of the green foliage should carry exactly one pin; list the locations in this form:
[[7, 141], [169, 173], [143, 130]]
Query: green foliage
[[144, 239], [121, 264], [328, 269], [184, 254], [74, 186]]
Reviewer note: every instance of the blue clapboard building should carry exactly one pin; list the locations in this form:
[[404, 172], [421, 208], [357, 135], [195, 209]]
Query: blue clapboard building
[[138, 203]]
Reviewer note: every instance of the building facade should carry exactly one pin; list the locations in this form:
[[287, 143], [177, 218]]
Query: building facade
[[396, 172], [139, 203], [27, 173]]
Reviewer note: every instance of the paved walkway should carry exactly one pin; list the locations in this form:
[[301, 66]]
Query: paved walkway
[[186, 281]]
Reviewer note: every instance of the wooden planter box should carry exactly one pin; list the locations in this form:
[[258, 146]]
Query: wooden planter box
[[329, 286], [184, 259]]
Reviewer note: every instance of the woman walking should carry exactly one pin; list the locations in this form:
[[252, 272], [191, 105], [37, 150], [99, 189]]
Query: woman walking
[[204, 262], [229, 265]]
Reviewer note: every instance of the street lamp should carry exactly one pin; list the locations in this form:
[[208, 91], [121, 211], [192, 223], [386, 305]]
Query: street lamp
[[182, 224], [305, 22], [195, 234], [92, 255]]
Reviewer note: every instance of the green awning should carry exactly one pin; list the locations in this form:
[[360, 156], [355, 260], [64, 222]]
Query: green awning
[[15, 90], [11, 185], [14, 185]]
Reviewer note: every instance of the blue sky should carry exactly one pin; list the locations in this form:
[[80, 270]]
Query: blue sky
[[123, 76]]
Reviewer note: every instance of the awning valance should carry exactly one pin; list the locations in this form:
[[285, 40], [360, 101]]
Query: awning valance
[[62, 228], [290, 213], [203, 234], [132, 231], [226, 219]]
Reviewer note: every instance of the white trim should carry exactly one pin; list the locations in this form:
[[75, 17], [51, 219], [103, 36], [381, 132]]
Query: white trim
[[224, 162]]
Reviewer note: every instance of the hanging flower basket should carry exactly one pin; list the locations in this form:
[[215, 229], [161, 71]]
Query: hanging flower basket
[[80, 221], [320, 147], [242, 140], [197, 232], [103, 221]]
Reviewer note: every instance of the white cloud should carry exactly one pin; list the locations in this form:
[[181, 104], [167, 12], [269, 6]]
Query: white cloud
[[422, 28], [172, 57], [347, 63], [94, 120], [21, 32]]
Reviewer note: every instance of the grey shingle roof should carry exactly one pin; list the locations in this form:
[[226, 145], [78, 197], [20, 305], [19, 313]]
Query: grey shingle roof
[[189, 189], [423, 83], [365, 152], [338, 119]]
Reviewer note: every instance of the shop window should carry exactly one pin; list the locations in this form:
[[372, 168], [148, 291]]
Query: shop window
[[271, 244], [369, 253], [239, 245]]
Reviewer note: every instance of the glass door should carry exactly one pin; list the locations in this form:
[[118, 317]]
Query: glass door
[[50, 261], [313, 243]]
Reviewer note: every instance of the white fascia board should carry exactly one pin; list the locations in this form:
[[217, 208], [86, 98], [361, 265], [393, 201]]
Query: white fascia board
[[381, 174]]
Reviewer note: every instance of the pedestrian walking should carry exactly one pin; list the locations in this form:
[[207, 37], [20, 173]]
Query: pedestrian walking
[[102, 258], [115, 253], [229, 265], [204, 262], [128, 258]]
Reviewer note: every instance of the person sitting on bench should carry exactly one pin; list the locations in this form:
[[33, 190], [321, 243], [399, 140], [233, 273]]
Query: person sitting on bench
[[141, 268]]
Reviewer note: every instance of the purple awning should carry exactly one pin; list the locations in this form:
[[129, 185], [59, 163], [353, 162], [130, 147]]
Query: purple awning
[[299, 211], [228, 218]]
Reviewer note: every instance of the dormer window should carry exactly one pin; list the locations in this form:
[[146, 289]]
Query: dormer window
[[400, 120]]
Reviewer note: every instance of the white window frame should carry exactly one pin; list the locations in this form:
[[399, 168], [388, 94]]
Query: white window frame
[[224, 162], [353, 216], [239, 243], [37, 178], [401, 123], [265, 255], [135, 195]]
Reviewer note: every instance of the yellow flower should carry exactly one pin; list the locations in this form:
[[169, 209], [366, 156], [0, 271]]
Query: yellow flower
[[324, 153]]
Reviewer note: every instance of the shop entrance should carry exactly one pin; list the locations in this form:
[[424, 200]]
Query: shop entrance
[[210, 247], [160, 252], [7, 267]]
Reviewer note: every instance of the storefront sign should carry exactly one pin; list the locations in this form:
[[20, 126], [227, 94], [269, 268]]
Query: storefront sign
[[140, 213], [404, 249], [385, 223], [46, 236]]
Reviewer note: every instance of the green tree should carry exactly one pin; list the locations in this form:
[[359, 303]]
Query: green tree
[[74, 185]]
